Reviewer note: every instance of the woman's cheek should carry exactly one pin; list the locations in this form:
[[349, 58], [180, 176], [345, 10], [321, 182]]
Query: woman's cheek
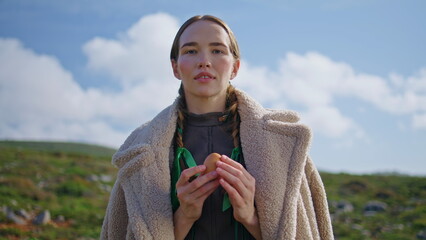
[[184, 65], [225, 65]]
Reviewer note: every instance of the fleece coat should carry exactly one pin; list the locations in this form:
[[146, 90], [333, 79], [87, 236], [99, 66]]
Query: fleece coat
[[290, 198]]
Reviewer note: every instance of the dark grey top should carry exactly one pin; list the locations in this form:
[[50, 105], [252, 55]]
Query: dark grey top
[[204, 134]]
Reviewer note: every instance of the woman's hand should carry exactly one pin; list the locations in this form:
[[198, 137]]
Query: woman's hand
[[240, 186], [192, 194]]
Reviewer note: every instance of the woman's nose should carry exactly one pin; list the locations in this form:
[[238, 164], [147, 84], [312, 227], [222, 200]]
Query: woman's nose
[[204, 61]]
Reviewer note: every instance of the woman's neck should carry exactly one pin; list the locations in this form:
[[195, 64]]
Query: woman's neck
[[206, 105]]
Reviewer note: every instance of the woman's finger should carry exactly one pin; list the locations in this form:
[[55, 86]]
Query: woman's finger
[[197, 188], [233, 194], [203, 184], [236, 165], [234, 181], [235, 169], [188, 173]]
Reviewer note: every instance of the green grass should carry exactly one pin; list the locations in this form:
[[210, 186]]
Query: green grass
[[405, 197], [46, 175], [56, 176]]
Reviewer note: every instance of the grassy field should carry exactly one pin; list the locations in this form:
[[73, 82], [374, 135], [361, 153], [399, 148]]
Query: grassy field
[[68, 179], [73, 180]]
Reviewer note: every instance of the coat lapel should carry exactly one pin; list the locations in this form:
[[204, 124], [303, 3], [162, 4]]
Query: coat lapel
[[274, 151], [145, 177]]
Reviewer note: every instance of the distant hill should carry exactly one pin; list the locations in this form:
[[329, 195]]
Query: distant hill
[[73, 181], [63, 147]]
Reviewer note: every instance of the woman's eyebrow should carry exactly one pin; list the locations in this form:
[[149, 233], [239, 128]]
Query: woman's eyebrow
[[189, 44], [218, 44]]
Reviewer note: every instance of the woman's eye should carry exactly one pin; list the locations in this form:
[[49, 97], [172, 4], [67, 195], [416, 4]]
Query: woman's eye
[[217, 51], [190, 52]]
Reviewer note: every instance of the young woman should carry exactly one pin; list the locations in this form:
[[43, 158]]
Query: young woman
[[264, 187]]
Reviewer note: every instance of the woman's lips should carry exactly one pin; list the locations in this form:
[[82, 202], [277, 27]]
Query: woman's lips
[[204, 77]]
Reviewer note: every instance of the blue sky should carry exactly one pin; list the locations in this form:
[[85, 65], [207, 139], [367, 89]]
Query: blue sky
[[354, 70]]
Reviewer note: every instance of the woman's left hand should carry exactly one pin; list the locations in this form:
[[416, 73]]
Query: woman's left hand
[[240, 186]]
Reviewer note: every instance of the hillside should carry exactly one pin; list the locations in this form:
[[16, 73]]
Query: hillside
[[72, 181]]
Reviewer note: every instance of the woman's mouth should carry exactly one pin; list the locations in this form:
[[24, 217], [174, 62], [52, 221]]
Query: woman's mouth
[[204, 76]]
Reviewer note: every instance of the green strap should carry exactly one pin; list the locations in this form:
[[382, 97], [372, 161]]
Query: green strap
[[186, 156], [177, 169]]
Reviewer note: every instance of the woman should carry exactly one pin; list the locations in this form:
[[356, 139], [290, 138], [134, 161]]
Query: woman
[[264, 187]]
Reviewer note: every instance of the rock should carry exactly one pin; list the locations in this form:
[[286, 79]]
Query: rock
[[373, 207], [105, 187], [344, 206], [92, 178], [60, 219], [105, 178], [43, 218], [14, 218], [101, 178], [42, 184], [24, 214], [421, 234]]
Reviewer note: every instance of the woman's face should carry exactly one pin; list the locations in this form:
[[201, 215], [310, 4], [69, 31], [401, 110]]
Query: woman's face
[[205, 64]]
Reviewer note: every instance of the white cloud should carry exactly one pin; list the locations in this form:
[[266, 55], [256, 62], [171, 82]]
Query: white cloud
[[315, 81], [141, 54], [329, 121], [419, 121], [42, 100]]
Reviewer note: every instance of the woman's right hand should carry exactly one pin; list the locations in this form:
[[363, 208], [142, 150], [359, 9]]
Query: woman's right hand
[[192, 194]]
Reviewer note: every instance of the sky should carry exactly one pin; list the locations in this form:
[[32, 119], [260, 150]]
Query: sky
[[92, 71]]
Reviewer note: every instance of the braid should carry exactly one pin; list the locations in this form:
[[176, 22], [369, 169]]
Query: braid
[[232, 111], [181, 118]]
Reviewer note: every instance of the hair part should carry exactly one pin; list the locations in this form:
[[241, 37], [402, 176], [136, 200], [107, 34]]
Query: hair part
[[233, 47]]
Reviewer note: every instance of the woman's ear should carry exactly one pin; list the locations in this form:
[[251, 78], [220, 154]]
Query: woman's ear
[[235, 69], [175, 69]]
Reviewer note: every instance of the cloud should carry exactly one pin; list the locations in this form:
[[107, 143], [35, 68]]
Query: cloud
[[139, 60], [314, 81], [139, 54], [42, 100], [419, 121]]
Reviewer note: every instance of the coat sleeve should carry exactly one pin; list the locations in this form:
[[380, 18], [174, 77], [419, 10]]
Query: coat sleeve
[[116, 218], [313, 207]]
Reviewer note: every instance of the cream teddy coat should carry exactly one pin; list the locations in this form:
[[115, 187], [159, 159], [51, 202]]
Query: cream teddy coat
[[290, 198]]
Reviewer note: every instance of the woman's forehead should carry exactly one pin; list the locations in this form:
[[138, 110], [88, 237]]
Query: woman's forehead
[[204, 31]]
